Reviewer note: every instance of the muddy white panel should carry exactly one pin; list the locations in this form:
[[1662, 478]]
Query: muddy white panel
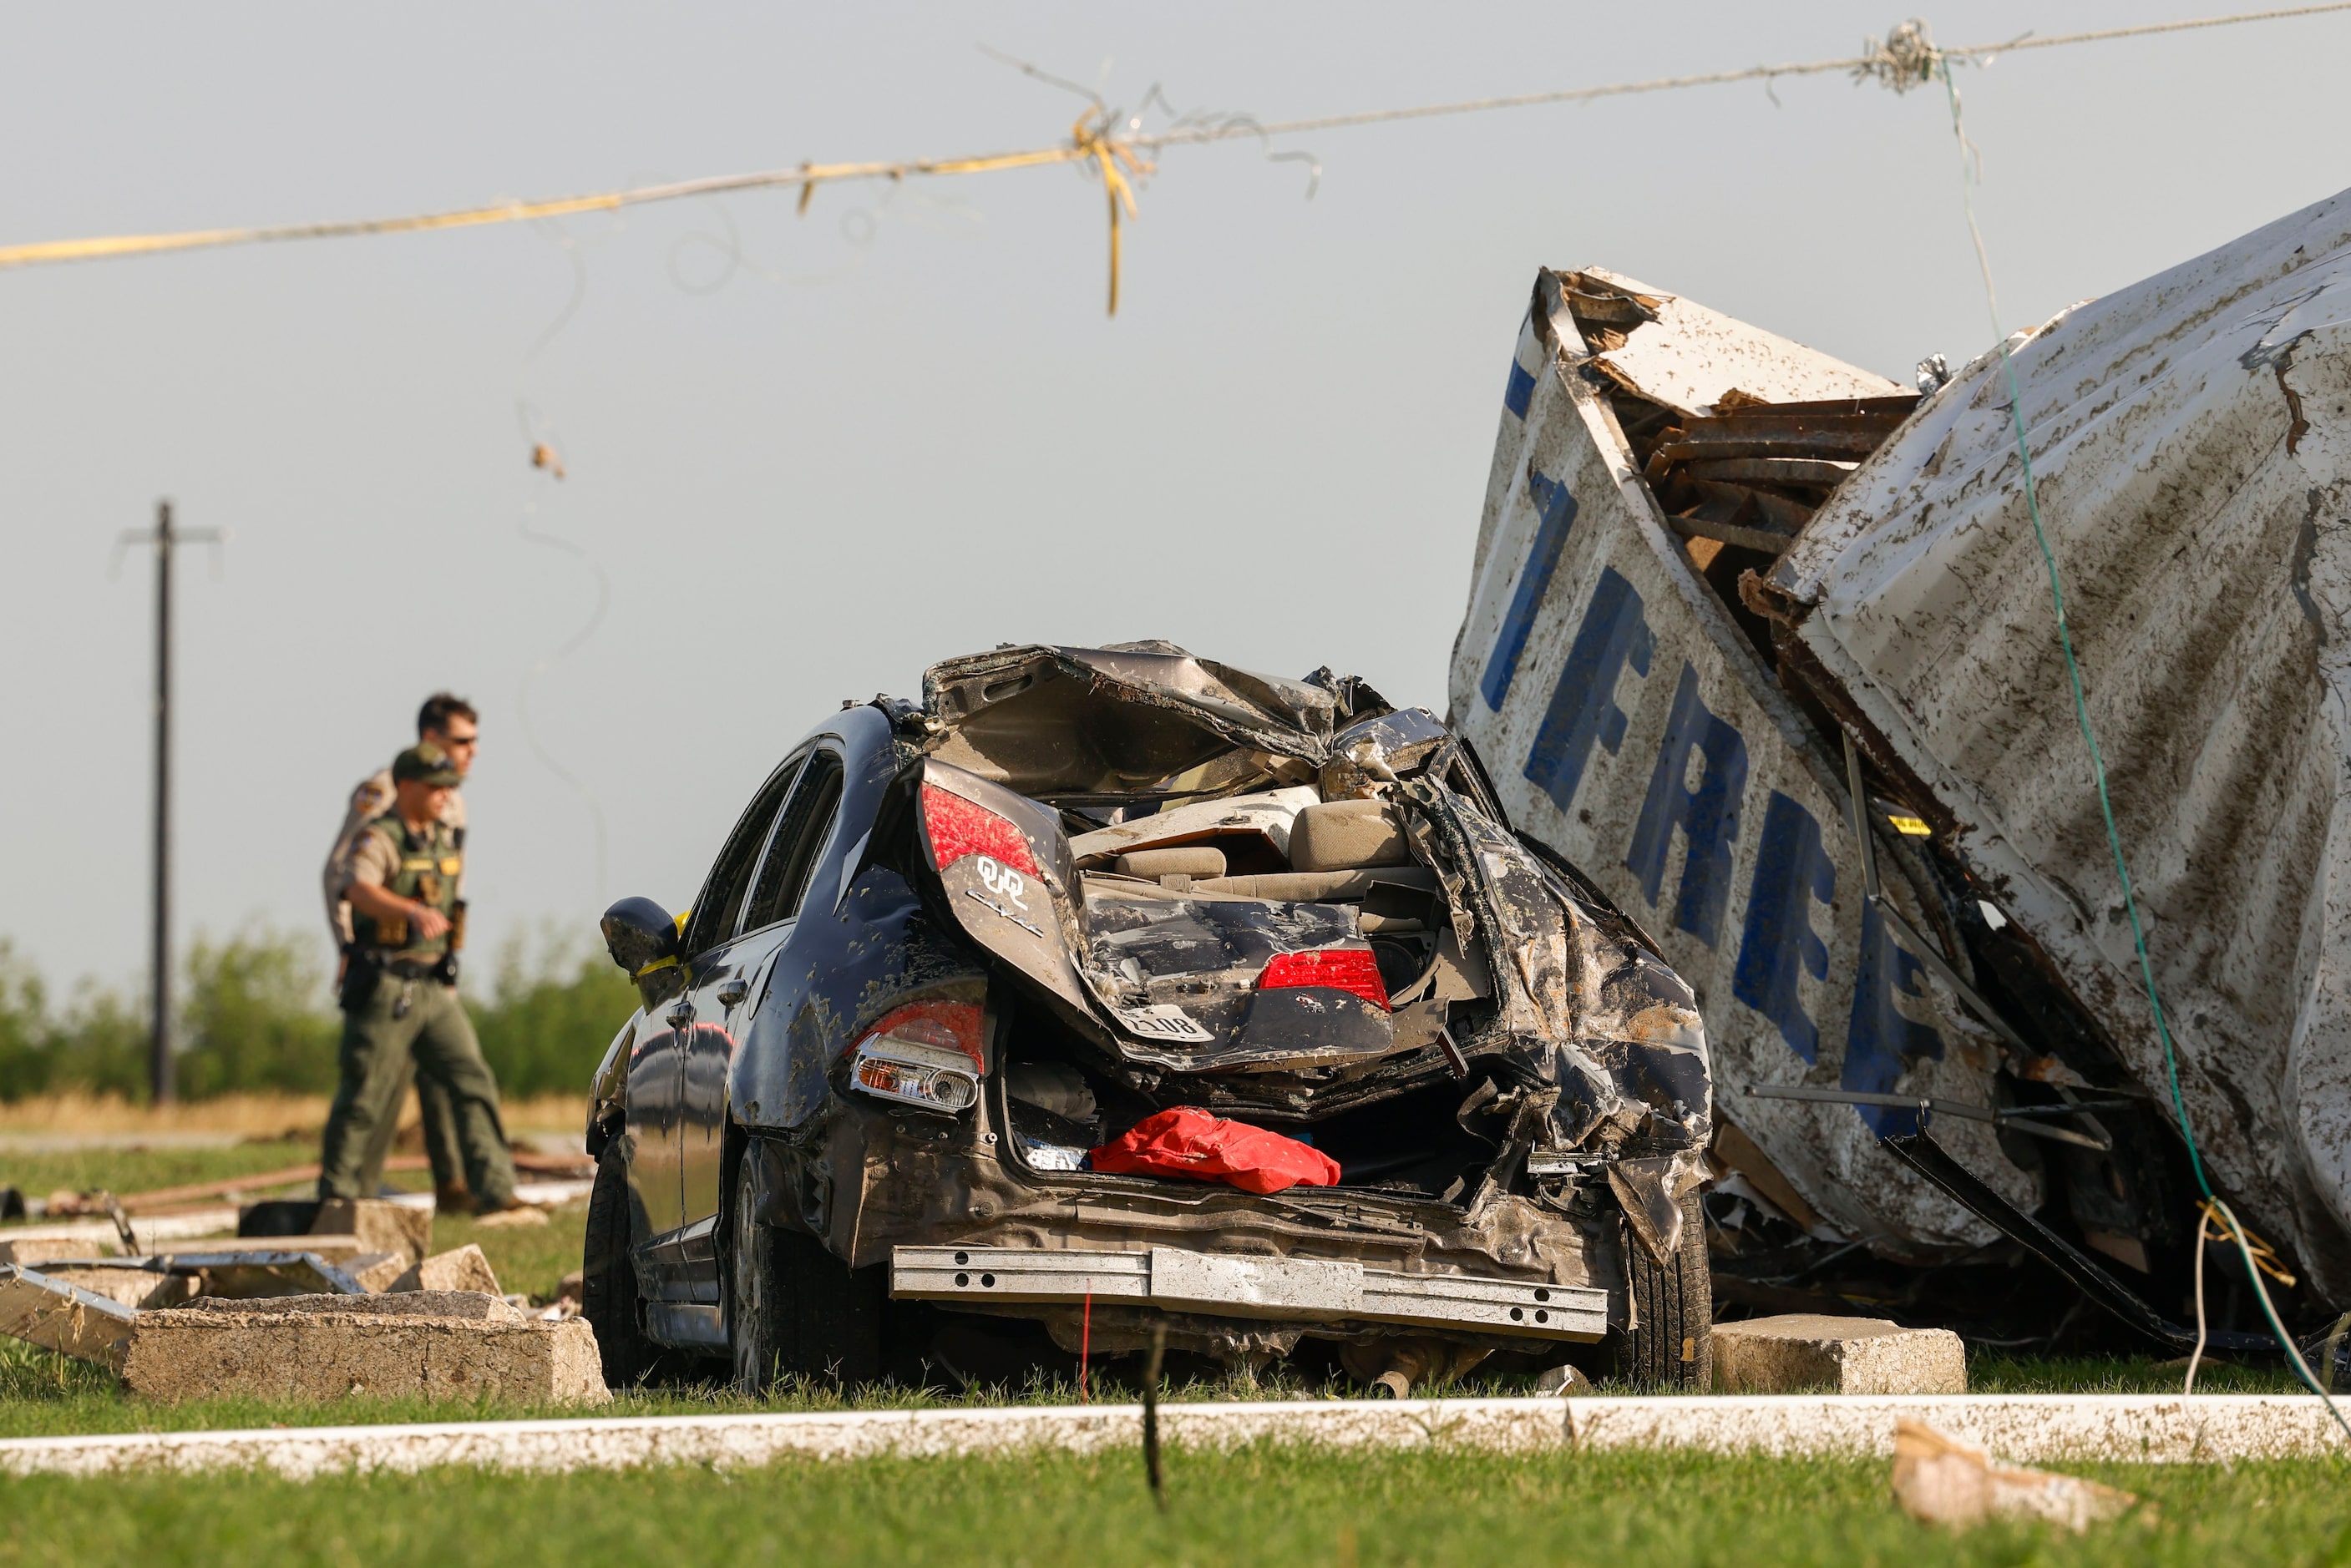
[[2190, 435], [1630, 726]]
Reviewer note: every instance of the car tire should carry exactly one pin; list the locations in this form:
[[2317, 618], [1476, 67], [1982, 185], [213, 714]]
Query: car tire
[[794, 1310], [609, 1280], [1671, 1345]]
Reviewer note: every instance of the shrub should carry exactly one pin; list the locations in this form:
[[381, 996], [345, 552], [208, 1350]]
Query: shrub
[[552, 1008], [257, 1016], [255, 1019]]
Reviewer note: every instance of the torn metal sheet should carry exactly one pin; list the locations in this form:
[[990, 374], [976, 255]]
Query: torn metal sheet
[[243, 1271], [2191, 441], [63, 1317], [1676, 352], [1629, 723]]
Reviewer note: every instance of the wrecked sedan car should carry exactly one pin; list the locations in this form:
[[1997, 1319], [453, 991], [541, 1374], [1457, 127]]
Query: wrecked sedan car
[[953, 952]]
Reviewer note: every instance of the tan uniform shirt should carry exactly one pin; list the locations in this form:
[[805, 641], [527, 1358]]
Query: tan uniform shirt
[[370, 800]]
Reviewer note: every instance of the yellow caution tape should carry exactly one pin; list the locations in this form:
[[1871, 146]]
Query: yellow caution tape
[[1910, 827], [1116, 160]]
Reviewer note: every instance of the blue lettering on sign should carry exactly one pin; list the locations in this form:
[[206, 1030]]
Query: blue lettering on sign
[[1792, 873], [1881, 1043], [1707, 816], [1555, 514], [1583, 704], [1520, 392]]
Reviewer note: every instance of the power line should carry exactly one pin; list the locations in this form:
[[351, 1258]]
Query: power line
[[1905, 57]]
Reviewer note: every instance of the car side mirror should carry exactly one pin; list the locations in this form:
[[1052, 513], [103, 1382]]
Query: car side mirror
[[639, 934]]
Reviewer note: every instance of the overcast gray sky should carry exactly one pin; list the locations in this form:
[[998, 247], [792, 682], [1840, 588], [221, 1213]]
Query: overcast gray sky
[[898, 427]]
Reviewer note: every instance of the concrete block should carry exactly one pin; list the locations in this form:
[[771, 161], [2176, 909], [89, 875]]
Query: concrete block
[[461, 1269], [379, 1226], [325, 1354], [1807, 1351], [130, 1287], [376, 1271], [34, 1251], [471, 1304]]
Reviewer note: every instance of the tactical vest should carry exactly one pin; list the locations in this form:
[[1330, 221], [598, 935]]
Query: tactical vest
[[430, 864]]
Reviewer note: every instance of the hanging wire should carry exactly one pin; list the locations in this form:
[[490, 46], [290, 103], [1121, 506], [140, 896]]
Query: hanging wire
[[2257, 1254], [1116, 150], [546, 458]]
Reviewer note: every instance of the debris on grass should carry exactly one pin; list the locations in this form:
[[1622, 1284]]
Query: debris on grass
[[1940, 1480]]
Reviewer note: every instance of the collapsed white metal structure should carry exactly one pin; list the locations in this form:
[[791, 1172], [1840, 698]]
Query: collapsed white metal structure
[[2190, 436]]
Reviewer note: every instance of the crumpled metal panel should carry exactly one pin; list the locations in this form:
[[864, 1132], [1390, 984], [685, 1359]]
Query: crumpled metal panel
[[63, 1317], [1630, 727], [1604, 1040], [1608, 1034], [1046, 720], [2189, 437], [1676, 352]]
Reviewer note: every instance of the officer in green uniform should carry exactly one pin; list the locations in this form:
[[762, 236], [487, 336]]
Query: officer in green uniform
[[400, 993]]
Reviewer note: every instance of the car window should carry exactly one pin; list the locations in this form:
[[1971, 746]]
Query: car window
[[730, 877], [801, 837]]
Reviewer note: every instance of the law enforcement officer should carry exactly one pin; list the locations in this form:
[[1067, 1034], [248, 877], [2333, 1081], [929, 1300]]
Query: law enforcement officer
[[400, 1000], [448, 722]]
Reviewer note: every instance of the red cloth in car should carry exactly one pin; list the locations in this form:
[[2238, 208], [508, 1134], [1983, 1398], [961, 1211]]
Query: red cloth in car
[[1189, 1142]]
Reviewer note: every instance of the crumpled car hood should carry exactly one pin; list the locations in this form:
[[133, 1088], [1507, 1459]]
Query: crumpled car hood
[[1057, 721]]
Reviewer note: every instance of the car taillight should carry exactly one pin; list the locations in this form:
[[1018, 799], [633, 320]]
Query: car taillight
[[926, 1054], [958, 828], [1340, 968]]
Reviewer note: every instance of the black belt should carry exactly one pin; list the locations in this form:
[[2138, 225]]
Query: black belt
[[404, 968]]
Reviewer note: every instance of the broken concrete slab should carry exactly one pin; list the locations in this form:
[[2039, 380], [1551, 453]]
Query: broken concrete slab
[[131, 1287], [474, 1304], [63, 1317], [1804, 1352], [92, 1237], [34, 1251], [185, 1353], [1941, 1480], [379, 1226], [460, 1269], [376, 1271]]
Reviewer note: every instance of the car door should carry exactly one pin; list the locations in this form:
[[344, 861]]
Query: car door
[[657, 1064], [725, 999]]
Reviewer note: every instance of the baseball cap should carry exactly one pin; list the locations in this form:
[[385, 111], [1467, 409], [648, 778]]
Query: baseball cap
[[426, 764]]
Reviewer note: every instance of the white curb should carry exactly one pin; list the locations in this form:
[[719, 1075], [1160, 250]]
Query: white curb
[[2145, 1427]]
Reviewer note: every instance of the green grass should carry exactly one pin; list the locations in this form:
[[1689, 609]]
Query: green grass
[[1263, 1504], [143, 1169], [531, 1260], [2120, 1374]]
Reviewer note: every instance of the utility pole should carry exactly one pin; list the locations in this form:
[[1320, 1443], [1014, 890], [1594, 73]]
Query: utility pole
[[165, 538]]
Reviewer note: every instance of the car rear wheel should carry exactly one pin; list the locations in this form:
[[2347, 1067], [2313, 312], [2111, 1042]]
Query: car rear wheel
[[609, 1280], [1673, 1311], [792, 1308]]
